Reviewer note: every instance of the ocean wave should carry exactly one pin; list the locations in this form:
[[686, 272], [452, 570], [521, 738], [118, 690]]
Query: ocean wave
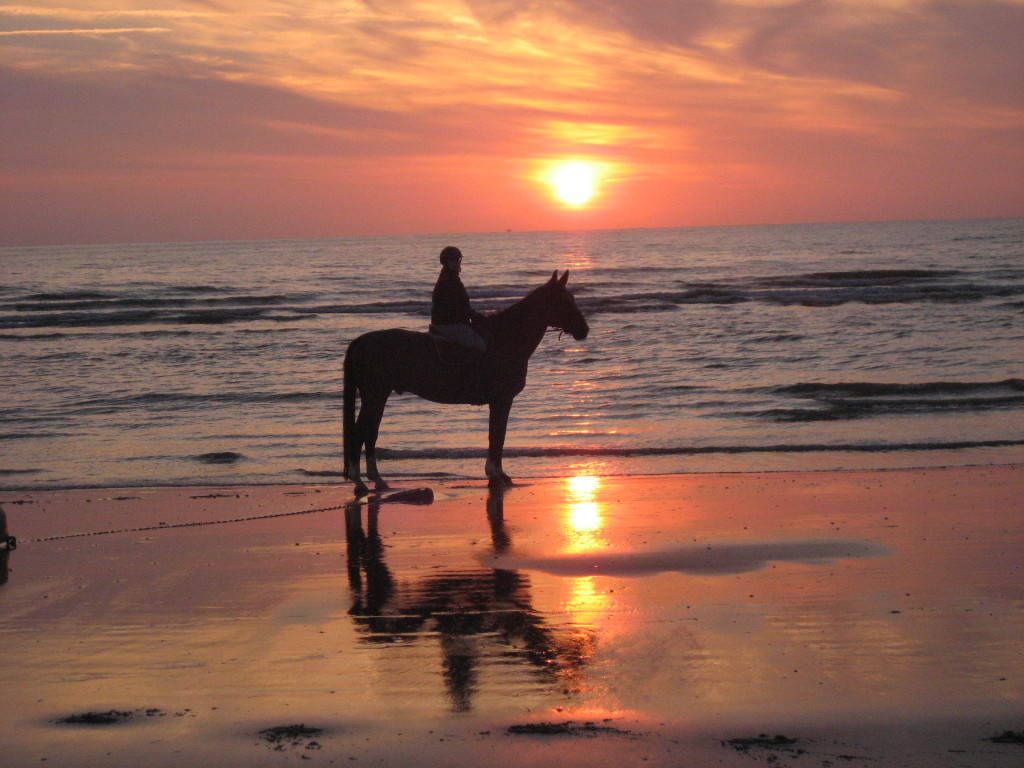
[[825, 390], [402, 307], [773, 338], [220, 316], [4, 436], [69, 295], [176, 305], [537, 452], [859, 277], [816, 289], [148, 332], [65, 303], [850, 400], [76, 319], [31, 336], [172, 399], [200, 305], [851, 409]]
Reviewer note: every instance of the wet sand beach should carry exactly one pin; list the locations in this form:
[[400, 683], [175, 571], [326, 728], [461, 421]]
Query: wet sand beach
[[858, 618]]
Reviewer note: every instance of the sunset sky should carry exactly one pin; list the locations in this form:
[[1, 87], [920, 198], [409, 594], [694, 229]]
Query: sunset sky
[[156, 120]]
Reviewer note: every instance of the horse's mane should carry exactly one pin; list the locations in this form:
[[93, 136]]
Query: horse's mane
[[513, 310]]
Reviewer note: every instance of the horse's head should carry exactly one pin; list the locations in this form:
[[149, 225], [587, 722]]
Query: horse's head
[[563, 313]]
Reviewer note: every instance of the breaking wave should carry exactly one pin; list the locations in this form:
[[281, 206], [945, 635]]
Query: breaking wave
[[851, 400], [638, 451], [198, 305], [816, 289]]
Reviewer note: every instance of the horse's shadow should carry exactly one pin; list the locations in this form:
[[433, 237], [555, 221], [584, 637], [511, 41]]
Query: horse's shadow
[[477, 616]]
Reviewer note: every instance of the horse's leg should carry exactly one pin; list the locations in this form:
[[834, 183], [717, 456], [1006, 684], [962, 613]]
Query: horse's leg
[[497, 425], [370, 415], [353, 452]]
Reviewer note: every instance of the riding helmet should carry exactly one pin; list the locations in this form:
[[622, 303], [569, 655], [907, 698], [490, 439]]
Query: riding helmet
[[450, 253]]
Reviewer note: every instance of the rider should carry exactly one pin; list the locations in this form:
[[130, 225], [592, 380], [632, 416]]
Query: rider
[[450, 313]]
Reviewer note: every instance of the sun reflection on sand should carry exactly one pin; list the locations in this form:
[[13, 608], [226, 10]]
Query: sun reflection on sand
[[586, 597], [584, 518], [584, 522], [583, 486]]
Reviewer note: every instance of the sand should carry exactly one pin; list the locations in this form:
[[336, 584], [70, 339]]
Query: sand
[[870, 618]]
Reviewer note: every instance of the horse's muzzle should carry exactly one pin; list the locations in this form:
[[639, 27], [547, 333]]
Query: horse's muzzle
[[581, 332]]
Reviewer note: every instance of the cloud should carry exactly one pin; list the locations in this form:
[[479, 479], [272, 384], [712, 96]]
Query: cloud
[[681, 25], [920, 49], [183, 117], [91, 31], [703, 100], [572, 59]]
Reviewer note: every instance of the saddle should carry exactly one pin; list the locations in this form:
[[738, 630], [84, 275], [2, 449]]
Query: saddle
[[471, 363], [451, 352]]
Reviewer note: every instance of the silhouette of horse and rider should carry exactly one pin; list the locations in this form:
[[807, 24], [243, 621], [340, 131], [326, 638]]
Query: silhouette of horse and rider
[[466, 358]]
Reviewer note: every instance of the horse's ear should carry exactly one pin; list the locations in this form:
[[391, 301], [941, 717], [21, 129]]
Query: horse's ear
[[565, 277], [554, 277]]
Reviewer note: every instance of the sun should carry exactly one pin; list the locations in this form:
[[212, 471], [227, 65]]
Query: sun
[[574, 181]]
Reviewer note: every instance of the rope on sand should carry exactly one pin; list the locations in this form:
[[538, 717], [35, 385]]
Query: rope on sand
[[416, 496], [168, 526]]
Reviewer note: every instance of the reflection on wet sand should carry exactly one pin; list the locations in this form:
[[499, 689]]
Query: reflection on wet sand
[[475, 616], [590, 606]]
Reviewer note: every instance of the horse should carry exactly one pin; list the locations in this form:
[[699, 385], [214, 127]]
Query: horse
[[397, 360]]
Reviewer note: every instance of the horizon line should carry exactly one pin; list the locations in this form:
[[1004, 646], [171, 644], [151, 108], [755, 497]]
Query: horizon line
[[766, 224]]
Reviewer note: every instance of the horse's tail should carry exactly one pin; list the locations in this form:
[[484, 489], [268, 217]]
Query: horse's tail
[[348, 418]]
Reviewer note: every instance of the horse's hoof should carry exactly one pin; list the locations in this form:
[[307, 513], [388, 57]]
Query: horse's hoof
[[500, 481], [380, 485], [361, 490]]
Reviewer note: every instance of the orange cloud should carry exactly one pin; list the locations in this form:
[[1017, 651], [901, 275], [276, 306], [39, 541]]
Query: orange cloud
[[713, 111]]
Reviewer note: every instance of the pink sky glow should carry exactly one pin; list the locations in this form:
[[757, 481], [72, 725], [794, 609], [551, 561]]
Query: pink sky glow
[[143, 120]]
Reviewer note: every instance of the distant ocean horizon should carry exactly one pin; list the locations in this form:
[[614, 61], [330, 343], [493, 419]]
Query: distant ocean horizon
[[746, 348]]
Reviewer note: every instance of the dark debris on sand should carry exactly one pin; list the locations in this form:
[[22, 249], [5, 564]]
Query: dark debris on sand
[[281, 737], [1008, 737], [567, 728], [764, 741], [114, 716], [96, 718]]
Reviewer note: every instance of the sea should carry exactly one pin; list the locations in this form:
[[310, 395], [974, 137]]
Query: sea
[[717, 349]]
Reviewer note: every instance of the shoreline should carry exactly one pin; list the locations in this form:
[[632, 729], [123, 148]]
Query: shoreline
[[863, 616], [334, 478]]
